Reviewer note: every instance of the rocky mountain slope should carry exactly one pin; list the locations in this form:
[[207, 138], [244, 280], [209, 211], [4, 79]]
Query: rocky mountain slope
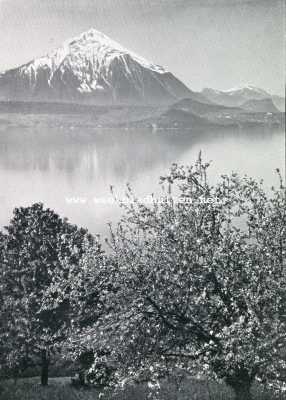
[[93, 69]]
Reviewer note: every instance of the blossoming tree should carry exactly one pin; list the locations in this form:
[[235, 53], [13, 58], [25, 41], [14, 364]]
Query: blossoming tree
[[200, 283], [34, 248]]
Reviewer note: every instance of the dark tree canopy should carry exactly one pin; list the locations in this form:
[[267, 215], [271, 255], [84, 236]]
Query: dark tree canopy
[[33, 249]]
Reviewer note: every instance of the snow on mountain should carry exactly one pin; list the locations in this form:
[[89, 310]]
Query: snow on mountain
[[92, 68], [236, 96], [247, 90]]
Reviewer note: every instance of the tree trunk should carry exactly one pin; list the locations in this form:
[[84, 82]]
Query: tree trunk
[[242, 392], [241, 383], [81, 378], [45, 368]]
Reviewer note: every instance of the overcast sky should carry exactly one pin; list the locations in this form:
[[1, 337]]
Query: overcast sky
[[205, 43]]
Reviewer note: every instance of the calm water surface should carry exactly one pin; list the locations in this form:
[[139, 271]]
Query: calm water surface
[[67, 169]]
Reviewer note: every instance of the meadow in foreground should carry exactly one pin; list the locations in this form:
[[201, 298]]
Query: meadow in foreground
[[61, 389]]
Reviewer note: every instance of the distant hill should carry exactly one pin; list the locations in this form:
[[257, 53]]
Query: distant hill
[[190, 114], [186, 114], [264, 105], [279, 102], [181, 119], [236, 97], [202, 109]]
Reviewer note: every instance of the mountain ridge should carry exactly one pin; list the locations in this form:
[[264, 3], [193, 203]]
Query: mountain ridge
[[236, 97], [93, 69]]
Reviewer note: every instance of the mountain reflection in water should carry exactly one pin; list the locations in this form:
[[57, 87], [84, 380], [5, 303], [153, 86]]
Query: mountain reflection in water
[[55, 165]]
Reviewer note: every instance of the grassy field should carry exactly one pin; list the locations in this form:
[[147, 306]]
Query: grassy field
[[60, 389]]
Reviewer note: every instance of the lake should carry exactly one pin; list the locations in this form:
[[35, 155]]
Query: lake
[[71, 169]]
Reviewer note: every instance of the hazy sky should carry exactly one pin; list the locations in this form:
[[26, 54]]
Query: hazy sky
[[213, 43]]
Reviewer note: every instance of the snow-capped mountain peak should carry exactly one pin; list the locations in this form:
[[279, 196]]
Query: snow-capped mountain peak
[[236, 96], [92, 67], [95, 39], [247, 88]]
